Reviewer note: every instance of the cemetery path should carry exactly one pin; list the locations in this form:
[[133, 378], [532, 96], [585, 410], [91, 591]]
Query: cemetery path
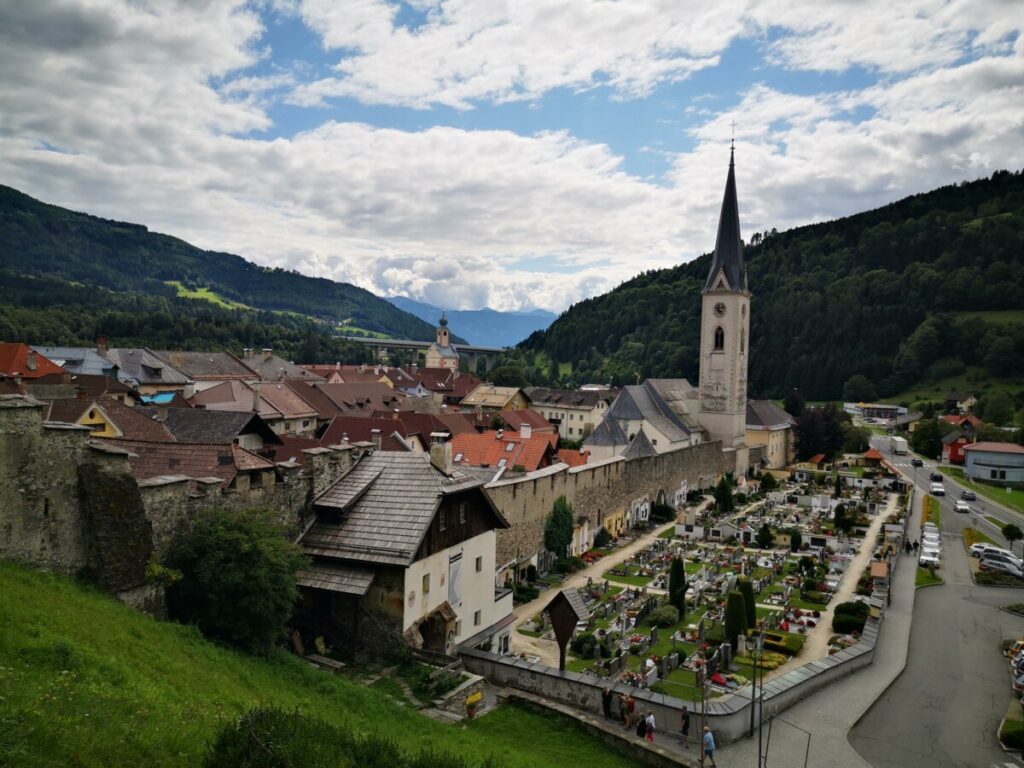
[[816, 646], [547, 650]]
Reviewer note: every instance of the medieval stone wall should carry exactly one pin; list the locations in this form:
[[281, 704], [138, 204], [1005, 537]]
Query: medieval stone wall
[[597, 491], [40, 522]]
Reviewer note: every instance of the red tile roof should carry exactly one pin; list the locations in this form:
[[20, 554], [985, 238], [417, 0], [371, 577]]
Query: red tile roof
[[360, 429], [516, 419], [487, 450], [873, 454], [817, 458], [573, 457], [292, 447], [15, 358], [132, 424], [426, 423], [958, 420], [191, 459], [357, 399], [994, 447]]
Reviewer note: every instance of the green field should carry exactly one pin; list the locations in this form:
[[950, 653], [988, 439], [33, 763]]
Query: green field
[[924, 578], [972, 380], [204, 294], [354, 330], [86, 681], [1000, 316]]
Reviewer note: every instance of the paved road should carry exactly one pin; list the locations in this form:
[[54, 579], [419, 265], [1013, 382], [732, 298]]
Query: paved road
[[944, 709]]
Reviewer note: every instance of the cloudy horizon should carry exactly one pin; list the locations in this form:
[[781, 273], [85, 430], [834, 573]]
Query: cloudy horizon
[[470, 153]]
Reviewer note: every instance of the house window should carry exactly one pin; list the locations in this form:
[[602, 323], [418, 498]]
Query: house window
[[426, 583], [462, 512], [719, 339], [476, 618], [743, 339], [305, 422], [442, 522], [479, 564]]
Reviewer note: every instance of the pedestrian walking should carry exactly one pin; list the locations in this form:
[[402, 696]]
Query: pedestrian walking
[[641, 727], [709, 746], [606, 702], [650, 727], [622, 710], [915, 546], [685, 726], [630, 709]]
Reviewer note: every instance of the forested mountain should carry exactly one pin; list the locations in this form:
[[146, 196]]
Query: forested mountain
[[917, 290], [125, 267], [487, 327]]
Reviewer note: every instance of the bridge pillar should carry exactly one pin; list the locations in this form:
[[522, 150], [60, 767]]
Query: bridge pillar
[[489, 361]]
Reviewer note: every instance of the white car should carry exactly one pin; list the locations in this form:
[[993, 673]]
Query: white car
[[927, 559], [981, 548], [930, 526], [961, 506], [977, 550], [937, 489]]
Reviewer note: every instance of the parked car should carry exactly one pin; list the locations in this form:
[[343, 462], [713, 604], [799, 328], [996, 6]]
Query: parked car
[[968, 496], [917, 462], [937, 489], [989, 564], [961, 506], [926, 560], [1001, 558], [984, 547], [977, 550], [936, 477]]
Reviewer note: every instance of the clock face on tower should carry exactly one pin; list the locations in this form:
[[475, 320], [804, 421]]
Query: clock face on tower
[[719, 309]]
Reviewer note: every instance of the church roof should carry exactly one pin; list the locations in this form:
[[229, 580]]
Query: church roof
[[640, 448], [642, 402], [728, 258], [608, 432]]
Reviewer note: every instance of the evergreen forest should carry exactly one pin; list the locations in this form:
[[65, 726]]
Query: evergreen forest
[[67, 277]]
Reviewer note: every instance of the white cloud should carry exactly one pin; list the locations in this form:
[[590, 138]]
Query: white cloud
[[150, 108]]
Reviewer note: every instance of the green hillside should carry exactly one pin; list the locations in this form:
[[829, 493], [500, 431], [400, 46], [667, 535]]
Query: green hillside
[[45, 241], [923, 290], [86, 681]]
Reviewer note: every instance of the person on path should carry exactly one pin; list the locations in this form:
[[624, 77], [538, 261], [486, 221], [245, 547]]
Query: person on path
[[630, 709], [915, 546], [650, 727], [622, 710], [709, 746], [641, 727], [685, 726], [606, 702]]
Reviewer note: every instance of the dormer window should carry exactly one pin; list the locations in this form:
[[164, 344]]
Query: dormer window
[[719, 339]]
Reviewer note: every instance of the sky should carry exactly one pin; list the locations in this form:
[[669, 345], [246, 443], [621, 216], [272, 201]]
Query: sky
[[518, 155]]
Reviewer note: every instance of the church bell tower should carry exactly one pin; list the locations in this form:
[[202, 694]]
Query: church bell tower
[[725, 333]]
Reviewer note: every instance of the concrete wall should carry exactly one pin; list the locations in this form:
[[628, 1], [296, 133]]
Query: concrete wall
[[595, 490], [729, 718]]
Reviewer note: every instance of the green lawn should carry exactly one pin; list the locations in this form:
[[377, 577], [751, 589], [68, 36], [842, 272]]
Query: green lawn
[[1014, 499], [87, 681], [924, 578], [632, 579], [354, 330], [204, 294]]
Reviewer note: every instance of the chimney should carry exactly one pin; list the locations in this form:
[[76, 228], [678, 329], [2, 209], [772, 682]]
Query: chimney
[[479, 413], [375, 438], [344, 438], [441, 457], [525, 431], [415, 368], [266, 354], [256, 397], [101, 344], [395, 416], [161, 412], [501, 432], [30, 359]]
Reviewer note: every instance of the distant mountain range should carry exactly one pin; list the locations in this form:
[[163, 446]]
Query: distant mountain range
[[486, 327]]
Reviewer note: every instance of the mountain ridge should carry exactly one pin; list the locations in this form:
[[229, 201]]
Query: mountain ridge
[[484, 326]]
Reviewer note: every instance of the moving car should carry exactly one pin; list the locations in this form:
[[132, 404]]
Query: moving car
[[961, 506], [968, 496], [916, 462], [937, 489], [936, 477]]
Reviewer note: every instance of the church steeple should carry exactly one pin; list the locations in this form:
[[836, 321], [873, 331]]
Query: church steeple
[[728, 258]]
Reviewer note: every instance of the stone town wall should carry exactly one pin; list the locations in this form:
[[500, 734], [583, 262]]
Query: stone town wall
[[597, 491], [40, 521], [70, 504]]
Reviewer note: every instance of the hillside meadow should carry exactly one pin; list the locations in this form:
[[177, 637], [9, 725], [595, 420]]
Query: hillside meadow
[[86, 681]]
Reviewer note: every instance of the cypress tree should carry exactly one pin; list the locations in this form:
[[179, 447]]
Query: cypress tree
[[677, 585], [735, 617], [746, 588]]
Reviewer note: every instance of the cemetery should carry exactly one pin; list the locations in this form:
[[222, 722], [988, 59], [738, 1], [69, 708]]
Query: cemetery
[[701, 608]]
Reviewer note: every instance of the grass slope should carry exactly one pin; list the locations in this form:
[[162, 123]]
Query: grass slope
[[87, 681], [204, 294]]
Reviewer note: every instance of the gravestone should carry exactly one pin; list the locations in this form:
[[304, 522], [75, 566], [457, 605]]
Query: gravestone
[[662, 667], [654, 635], [741, 645]]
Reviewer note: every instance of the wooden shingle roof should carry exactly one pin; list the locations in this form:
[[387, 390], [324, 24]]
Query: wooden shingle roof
[[380, 511]]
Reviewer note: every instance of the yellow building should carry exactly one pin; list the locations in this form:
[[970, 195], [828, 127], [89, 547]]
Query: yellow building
[[771, 427]]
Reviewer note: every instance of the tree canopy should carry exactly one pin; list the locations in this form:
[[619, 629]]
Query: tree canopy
[[558, 528]]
